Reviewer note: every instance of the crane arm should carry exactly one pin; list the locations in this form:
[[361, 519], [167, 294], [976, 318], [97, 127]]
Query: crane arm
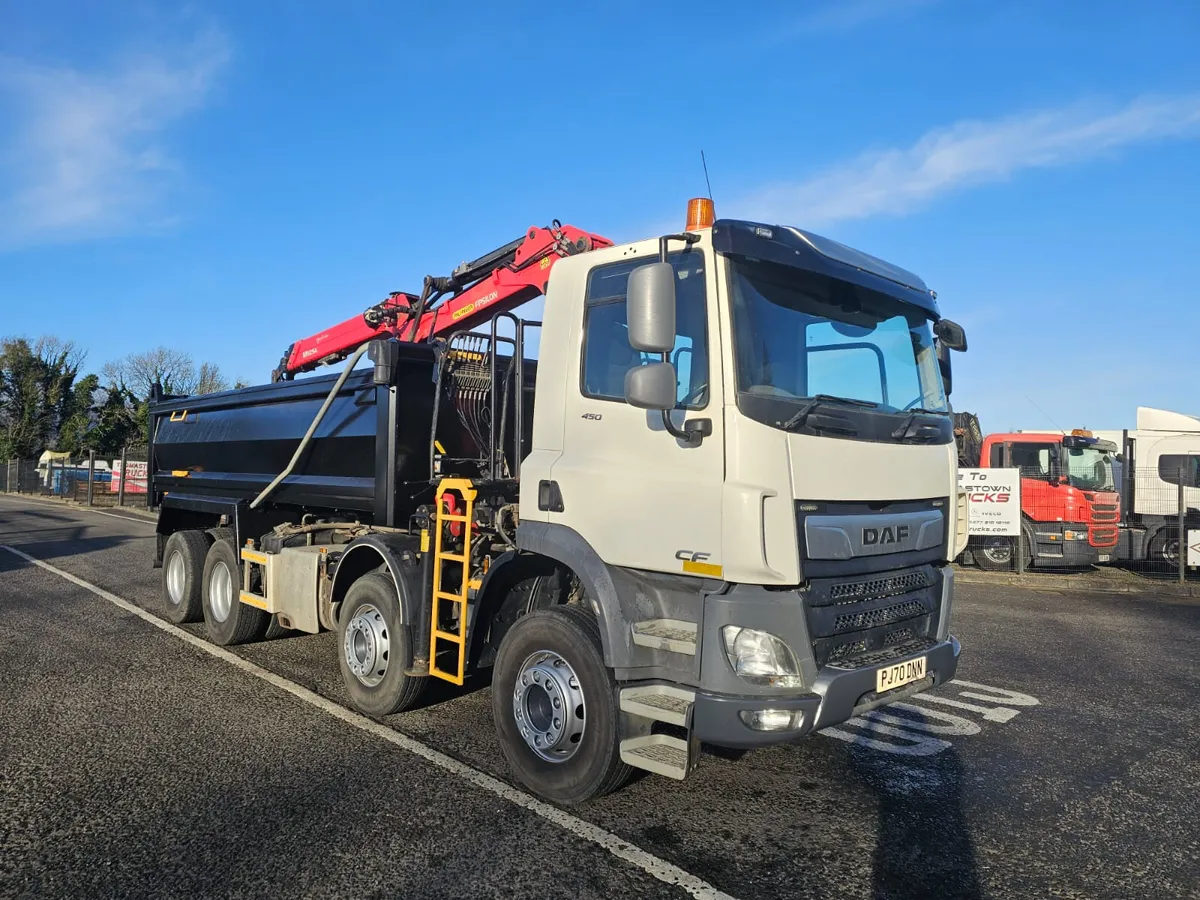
[[475, 291]]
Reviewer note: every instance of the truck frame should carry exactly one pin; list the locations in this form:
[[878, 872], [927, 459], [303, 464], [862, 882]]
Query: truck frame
[[718, 508]]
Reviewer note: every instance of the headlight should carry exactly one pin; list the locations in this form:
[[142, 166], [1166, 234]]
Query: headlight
[[1075, 535], [760, 657]]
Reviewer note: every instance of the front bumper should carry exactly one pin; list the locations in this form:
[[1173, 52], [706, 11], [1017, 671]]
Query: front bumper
[[1052, 549], [837, 695]]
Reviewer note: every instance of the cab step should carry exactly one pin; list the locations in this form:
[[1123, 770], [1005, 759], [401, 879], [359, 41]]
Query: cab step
[[659, 703], [674, 635], [657, 753]]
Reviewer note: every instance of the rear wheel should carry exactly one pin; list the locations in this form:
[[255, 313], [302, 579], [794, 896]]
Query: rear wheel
[[554, 703], [183, 575], [229, 621], [375, 648]]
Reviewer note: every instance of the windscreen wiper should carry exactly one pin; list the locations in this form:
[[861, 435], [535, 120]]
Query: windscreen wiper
[[815, 401], [902, 431]]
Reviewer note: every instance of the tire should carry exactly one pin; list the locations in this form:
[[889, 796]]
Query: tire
[[1164, 548], [183, 575], [537, 643], [275, 630], [996, 554], [229, 621], [375, 649]]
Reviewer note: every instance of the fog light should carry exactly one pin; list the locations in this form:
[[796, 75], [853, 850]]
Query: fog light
[[761, 657], [772, 719]]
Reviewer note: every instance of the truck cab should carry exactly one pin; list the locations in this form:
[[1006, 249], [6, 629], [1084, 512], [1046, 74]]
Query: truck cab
[[1070, 507]]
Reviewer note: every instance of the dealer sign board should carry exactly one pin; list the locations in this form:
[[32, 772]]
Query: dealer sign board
[[993, 500]]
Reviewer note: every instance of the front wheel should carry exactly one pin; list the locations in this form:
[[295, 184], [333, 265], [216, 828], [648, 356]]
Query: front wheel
[[1165, 547], [998, 553], [554, 703]]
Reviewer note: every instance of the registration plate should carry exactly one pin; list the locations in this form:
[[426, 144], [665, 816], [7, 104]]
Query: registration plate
[[1104, 557], [901, 673]]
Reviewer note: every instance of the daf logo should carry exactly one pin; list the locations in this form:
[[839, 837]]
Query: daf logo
[[885, 535]]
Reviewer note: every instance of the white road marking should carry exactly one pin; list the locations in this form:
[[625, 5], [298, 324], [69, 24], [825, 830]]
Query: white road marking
[[622, 849], [137, 520], [991, 714], [914, 744], [883, 729]]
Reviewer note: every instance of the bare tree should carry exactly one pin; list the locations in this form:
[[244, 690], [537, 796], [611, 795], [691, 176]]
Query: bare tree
[[173, 369], [209, 380]]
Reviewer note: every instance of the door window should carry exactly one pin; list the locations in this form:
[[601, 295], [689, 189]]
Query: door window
[[607, 355]]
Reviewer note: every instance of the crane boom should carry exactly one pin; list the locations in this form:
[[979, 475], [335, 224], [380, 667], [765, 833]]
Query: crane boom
[[497, 281]]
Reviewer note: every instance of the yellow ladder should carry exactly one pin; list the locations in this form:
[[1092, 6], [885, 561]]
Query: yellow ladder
[[441, 558]]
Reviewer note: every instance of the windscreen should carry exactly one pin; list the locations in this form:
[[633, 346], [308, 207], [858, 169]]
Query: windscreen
[[799, 335]]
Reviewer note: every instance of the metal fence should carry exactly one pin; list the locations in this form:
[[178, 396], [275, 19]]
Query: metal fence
[[1128, 518], [89, 479]]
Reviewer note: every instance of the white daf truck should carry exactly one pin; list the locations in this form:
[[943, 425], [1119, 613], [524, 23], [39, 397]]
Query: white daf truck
[[719, 508]]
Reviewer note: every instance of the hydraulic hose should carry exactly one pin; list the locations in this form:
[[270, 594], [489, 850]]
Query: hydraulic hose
[[333, 392]]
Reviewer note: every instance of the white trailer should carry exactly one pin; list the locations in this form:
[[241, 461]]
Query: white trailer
[[1157, 458]]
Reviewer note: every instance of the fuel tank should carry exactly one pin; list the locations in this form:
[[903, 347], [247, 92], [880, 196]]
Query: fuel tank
[[368, 458]]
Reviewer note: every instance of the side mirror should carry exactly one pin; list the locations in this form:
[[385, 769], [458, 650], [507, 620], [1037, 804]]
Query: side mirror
[[951, 334], [650, 311], [651, 386]]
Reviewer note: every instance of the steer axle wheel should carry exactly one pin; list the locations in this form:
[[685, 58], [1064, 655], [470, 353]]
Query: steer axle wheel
[[554, 703], [998, 553], [375, 648]]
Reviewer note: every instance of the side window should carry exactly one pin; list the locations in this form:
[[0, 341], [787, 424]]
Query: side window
[[1170, 464], [997, 458], [1033, 460], [607, 355]]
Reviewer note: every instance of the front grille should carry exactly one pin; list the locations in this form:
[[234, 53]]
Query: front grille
[[849, 591], [876, 617], [1102, 536], [1104, 512], [878, 657], [847, 619]]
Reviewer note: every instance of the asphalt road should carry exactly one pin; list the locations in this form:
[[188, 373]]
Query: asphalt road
[[133, 763]]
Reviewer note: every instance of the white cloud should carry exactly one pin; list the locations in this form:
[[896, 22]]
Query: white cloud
[[967, 154], [84, 155]]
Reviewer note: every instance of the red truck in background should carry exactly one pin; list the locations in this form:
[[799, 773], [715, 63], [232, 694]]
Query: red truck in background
[[1070, 507]]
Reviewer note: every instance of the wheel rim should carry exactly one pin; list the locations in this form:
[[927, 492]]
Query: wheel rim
[[220, 592], [998, 551], [367, 645], [1171, 550], [175, 577], [548, 706]]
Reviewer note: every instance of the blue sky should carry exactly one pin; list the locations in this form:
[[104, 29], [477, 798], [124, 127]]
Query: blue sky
[[224, 178]]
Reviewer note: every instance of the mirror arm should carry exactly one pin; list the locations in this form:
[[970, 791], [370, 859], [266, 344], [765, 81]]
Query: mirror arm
[[687, 237], [700, 428]]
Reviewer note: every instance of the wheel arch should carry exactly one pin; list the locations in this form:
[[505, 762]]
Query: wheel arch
[[564, 545], [370, 553]]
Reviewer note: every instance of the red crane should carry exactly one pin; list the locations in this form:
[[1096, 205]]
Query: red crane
[[471, 294]]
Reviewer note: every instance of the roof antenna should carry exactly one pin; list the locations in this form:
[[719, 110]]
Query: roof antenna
[[704, 163], [1044, 413]]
